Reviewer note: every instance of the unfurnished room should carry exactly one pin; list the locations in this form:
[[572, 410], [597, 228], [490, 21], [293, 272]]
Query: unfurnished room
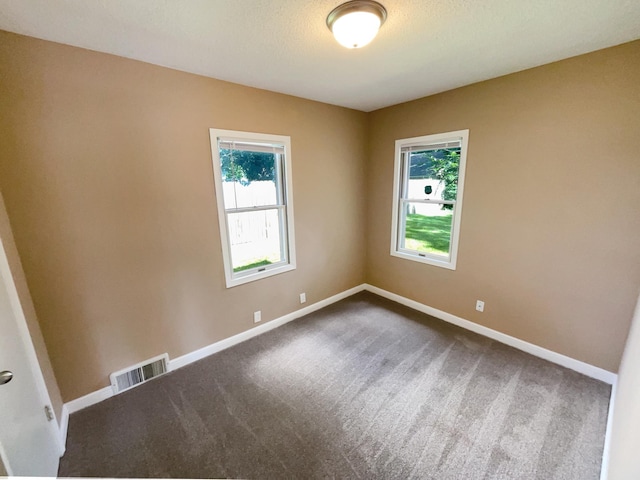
[[320, 239]]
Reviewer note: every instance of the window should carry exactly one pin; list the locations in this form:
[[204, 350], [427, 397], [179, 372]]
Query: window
[[252, 173], [427, 197]]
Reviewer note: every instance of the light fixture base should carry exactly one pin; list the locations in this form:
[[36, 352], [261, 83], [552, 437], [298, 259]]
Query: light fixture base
[[357, 6]]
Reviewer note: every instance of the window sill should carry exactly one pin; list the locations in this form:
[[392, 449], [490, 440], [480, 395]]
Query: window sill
[[429, 260], [251, 277]]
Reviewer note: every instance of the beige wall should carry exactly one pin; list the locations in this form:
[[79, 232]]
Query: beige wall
[[30, 316], [624, 463], [106, 174], [551, 219]]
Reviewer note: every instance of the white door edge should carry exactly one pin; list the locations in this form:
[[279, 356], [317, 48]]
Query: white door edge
[[25, 337]]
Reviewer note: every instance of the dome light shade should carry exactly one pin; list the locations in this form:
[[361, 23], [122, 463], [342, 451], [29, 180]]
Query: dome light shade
[[354, 24]]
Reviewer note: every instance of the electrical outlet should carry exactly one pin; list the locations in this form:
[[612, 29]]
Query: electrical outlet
[[257, 316], [303, 297], [480, 306]]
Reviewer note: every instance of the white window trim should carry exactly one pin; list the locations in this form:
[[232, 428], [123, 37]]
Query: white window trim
[[234, 279], [430, 259]]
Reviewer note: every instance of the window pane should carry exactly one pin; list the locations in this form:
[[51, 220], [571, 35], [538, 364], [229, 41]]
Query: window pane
[[255, 239], [427, 228], [249, 179], [433, 174]]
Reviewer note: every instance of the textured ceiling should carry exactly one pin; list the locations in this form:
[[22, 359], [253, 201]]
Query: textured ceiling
[[424, 47]]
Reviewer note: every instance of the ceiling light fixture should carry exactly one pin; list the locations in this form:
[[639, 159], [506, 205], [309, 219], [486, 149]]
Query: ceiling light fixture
[[356, 23]]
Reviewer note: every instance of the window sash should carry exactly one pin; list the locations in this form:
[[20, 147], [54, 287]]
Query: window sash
[[249, 146], [422, 147], [426, 200], [284, 245], [255, 209], [406, 165], [404, 200], [402, 230], [281, 206], [278, 181]]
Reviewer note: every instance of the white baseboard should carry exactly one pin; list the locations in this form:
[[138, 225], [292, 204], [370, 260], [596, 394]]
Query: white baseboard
[[246, 335], [107, 392], [90, 399], [64, 425], [604, 469], [581, 367], [557, 358]]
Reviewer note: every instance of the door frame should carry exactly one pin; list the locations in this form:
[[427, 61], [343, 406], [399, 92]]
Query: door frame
[[6, 279]]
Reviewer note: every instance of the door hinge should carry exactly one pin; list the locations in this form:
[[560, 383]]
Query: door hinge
[[48, 411]]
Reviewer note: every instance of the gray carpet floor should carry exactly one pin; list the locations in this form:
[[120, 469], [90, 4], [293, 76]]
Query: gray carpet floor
[[364, 388]]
